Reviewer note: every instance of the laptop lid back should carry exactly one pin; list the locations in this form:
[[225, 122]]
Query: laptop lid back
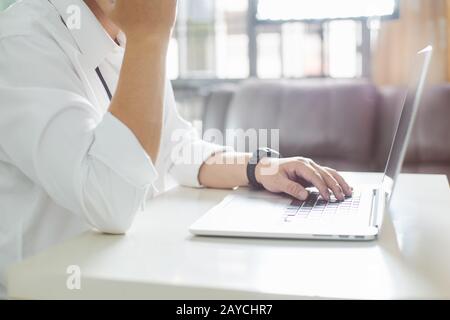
[[405, 125]]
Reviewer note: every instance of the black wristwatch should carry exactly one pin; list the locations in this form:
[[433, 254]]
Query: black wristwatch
[[258, 155]]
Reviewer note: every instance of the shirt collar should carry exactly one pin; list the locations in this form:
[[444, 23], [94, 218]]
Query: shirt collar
[[92, 39]]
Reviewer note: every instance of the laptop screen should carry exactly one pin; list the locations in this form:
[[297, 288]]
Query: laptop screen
[[406, 122]]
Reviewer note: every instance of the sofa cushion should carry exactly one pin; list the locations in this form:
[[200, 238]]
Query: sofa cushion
[[255, 105], [320, 119], [430, 140], [390, 106], [216, 106], [429, 145], [347, 125]]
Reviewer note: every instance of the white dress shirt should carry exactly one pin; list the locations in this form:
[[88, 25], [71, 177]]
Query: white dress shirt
[[66, 163]]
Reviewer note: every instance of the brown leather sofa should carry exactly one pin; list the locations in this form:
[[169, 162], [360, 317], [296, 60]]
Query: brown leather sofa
[[348, 125]]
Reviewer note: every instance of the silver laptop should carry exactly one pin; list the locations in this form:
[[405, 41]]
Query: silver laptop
[[359, 217]]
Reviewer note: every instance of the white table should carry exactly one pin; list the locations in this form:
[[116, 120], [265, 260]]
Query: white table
[[160, 259]]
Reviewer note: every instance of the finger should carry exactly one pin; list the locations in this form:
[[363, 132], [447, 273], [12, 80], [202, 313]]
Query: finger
[[331, 182], [309, 173], [293, 189], [344, 185]]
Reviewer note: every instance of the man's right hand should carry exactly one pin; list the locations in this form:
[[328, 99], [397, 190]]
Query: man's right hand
[[140, 19]]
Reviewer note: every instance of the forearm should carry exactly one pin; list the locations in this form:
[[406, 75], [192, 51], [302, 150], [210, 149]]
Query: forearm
[[139, 98], [225, 170]]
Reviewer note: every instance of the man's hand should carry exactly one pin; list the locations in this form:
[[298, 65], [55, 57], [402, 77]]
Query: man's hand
[[140, 19], [293, 175]]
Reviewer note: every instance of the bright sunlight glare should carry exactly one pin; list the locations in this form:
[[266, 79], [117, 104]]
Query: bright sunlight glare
[[323, 9]]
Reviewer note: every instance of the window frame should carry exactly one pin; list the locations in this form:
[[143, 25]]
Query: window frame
[[253, 23]]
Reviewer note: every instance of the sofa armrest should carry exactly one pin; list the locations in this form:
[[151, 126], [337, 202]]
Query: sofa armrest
[[216, 106]]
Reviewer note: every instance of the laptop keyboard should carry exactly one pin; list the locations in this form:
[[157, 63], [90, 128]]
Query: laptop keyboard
[[316, 207]]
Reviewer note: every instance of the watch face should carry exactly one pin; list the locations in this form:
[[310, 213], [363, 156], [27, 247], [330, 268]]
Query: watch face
[[262, 153], [270, 153], [267, 152]]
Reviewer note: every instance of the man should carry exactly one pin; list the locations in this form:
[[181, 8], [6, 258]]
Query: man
[[87, 120]]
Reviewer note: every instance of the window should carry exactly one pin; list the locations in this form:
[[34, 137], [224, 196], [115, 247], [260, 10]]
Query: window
[[321, 38], [284, 10], [297, 50], [235, 39], [210, 40]]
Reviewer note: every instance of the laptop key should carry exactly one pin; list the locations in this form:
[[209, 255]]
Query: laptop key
[[296, 203], [311, 201]]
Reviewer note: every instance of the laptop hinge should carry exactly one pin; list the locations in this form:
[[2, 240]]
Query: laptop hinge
[[374, 212]]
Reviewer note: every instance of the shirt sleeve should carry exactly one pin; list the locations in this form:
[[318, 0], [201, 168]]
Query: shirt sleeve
[[88, 163], [187, 152]]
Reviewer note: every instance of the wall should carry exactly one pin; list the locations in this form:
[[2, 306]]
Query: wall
[[421, 22]]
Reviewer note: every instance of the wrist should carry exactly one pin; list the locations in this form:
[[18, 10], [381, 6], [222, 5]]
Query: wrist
[[148, 41], [260, 165]]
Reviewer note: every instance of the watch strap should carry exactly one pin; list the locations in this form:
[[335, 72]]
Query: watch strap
[[258, 155]]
